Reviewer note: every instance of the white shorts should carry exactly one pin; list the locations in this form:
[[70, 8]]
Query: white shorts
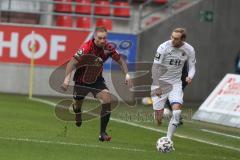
[[175, 95]]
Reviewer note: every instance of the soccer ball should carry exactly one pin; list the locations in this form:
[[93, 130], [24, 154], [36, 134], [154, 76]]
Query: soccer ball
[[164, 145]]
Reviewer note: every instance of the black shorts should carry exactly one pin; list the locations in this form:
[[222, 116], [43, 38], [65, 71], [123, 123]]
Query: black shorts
[[82, 89]]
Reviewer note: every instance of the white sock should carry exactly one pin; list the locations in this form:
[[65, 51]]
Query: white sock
[[174, 122]]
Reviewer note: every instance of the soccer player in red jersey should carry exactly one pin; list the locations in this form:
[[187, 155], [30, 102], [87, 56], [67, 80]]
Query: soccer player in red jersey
[[88, 61]]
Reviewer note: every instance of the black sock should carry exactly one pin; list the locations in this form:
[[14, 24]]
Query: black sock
[[76, 108], [105, 116]]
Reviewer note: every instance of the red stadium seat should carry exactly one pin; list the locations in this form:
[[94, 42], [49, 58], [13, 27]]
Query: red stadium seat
[[139, 1], [61, 7], [64, 21], [179, 5], [121, 12], [160, 1], [102, 8], [104, 22], [84, 7], [83, 22]]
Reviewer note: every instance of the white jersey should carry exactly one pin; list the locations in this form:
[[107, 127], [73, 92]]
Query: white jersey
[[173, 59]]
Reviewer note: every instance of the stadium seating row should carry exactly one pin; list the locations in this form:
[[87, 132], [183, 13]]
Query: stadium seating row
[[82, 22], [92, 12], [103, 8], [115, 8], [155, 1]]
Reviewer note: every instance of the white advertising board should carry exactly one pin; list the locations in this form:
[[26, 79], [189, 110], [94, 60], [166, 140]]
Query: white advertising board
[[223, 105]]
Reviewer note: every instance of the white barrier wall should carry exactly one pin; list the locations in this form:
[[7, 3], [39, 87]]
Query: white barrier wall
[[15, 79]]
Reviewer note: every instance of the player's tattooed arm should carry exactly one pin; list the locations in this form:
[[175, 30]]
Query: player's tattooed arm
[[124, 67], [71, 65]]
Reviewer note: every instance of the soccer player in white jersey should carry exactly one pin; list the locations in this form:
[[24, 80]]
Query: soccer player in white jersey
[[166, 74]]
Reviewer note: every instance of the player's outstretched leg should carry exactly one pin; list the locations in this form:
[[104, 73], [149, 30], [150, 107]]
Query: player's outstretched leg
[[105, 97], [174, 123], [168, 106], [78, 113], [105, 116]]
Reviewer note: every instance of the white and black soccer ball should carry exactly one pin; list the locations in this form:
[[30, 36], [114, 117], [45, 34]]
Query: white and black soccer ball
[[164, 145]]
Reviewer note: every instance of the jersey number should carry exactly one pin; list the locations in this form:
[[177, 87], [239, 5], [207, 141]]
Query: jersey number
[[175, 62]]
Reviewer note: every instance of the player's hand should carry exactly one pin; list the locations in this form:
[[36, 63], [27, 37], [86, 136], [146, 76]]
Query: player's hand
[[158, 92], [128, 81], [188, 80], [64, 87], [65, 84]]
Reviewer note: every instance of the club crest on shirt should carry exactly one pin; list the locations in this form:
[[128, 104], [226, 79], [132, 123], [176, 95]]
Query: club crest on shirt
[[79, 53], [170, 51]]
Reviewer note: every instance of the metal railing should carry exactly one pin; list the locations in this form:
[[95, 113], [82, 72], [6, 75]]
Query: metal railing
[[51, 12], [135, 21], [148, 3]]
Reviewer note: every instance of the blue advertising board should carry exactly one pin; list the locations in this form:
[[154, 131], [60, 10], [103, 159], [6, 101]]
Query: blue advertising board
[[125, 44]]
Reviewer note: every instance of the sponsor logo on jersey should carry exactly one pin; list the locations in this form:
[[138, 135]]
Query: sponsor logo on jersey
[[98, 61], [176, 62]]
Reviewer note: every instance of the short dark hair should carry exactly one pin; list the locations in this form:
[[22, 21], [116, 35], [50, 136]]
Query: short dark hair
[[182, 31], [100, 29]]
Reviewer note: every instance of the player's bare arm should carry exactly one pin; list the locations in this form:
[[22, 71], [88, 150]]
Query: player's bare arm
[[156, 68], [192, 68], [157, 71], [70, 67], [191, 73], [124, 67]]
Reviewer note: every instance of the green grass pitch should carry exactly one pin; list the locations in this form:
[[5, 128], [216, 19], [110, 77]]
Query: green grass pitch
[[29, 130]]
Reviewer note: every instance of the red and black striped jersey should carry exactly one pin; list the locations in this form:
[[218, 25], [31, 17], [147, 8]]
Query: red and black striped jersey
[[91, 59]]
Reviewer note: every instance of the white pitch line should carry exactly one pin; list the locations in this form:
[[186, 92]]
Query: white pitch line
[[201, 155], [177, 135], [72, 144], [94, 146], [219, 133], [207, 142], [153, 129], [43, 101]]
